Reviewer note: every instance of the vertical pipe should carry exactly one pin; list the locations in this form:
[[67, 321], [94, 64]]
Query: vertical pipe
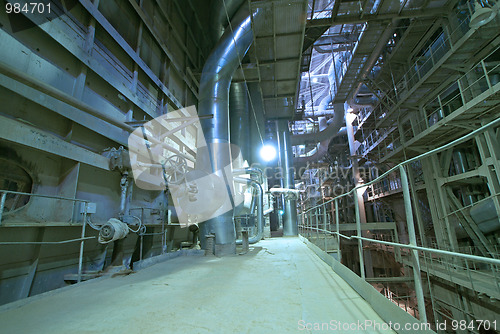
[[413, 241], [80, 257], [324, 224], [239, 118], [290, 227], [214, 100]]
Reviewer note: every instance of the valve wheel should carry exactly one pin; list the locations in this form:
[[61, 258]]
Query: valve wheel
[[174, 169]]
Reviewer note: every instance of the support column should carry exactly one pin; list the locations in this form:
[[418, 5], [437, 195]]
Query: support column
[[417, 278], [290, 227], [365, 258]]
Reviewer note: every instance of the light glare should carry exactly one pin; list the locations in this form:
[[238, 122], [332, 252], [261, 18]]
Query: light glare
[[267, 152]]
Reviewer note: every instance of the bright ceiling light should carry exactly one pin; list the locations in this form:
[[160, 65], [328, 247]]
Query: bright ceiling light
[[268, 152]]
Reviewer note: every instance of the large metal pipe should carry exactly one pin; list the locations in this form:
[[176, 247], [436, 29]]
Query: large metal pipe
[[240, 118], [257, 122], [221, 10], [214, 100], [290, 227], [338, 117], [260, 209], [486, 217]]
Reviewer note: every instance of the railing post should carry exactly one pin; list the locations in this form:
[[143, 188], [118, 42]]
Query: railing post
[[358, 229], [486, 73], [80, 258], [2, 205], [417, 278], [309, 222], [316, 220], [338, 228], [324, 224], [462, 93]]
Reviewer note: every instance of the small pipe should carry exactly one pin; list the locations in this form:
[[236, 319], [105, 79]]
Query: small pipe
[[260, 211], [250, 170], [123, 195]]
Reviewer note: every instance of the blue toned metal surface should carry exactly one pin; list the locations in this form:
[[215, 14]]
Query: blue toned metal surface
[[290, 227], [214, 100]]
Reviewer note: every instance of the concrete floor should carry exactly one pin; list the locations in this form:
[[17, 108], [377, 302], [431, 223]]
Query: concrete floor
[[280, 286]]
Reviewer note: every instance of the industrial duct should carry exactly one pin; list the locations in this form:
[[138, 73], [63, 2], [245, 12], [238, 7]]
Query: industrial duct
[[214, 100], [290, 227], [222, 11], [240, 118], [327, 132], [338, 116]]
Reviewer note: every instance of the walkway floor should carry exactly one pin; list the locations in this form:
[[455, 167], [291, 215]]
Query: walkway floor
[[280, 286]]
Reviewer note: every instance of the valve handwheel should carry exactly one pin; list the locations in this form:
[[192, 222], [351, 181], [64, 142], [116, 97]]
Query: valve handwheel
[[174, 169]]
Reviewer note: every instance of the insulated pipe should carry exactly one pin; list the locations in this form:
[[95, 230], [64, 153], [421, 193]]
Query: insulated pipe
[[486, 217], [221, 10], [257, 122], [260, 209], [290, 227], [250, 170], [214, 99], [268, 211], [239, 118], [338, 117], [322, 148]]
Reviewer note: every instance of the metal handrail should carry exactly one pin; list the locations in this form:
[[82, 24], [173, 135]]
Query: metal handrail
[[84, 224], [424, 249], [5, 192]]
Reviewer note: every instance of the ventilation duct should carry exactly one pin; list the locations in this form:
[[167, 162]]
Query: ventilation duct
[[326, 133], [222, 11], [240, 118], [338, 117], [214, 100]]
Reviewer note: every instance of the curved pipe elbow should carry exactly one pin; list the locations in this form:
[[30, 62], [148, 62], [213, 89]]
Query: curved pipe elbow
[[260, 209], [250, 170]]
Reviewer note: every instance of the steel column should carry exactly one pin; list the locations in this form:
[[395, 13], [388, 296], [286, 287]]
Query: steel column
[[413, 241]]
